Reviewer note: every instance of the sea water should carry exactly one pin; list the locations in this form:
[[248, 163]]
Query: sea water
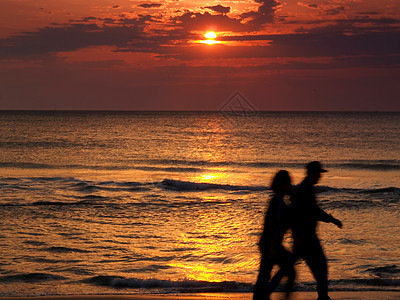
[[155, 202]]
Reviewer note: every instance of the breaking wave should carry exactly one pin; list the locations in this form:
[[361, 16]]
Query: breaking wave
[[177, 286], [31, 277], [200, 286], [179, 185]]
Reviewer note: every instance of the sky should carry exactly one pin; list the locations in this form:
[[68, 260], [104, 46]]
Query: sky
[[152, 55]]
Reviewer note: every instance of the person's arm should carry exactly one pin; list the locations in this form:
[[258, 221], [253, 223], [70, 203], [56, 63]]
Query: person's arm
[[327, 218], [275, 219]]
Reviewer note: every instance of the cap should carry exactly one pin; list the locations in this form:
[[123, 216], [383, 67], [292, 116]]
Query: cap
[[315, 167]]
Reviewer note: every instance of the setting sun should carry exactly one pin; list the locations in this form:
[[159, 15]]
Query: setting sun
[[210, 38], [210, 35]]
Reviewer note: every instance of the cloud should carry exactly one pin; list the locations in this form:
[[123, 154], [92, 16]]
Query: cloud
[[202, 21], [87, 19], [328, 10], [329, 42], [150, 5], [265, 13], [69, 37], [308, 5], [361, 36], [334, 11], [220, 9]]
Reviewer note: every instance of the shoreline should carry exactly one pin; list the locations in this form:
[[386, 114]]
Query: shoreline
[[368, 295]]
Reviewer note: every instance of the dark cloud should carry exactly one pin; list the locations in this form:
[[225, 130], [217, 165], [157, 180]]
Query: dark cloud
[[325, 10], [363, 36], [351, 24], [220, 9], [150, 5], [70, 37], [202, 21], [329, 43], [107, 20], [125, 34], [368, 13], [116, 6], [308, 5], [334, 11], [88, 19], [265, 13]]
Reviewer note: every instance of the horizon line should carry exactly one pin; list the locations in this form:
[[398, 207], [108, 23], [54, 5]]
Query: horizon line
[[198, 111]]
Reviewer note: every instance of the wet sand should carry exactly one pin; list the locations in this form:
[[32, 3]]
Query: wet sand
[[376, 295]]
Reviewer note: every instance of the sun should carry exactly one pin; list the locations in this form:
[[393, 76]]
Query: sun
[[210, 35], [210, 38]]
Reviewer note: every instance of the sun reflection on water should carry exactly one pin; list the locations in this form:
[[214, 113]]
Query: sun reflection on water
[[210, 176]]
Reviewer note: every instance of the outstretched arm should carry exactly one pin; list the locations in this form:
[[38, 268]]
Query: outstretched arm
[[325, 217], [337, 222]]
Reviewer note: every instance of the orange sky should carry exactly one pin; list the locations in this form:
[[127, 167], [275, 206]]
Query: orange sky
[[293, 55]]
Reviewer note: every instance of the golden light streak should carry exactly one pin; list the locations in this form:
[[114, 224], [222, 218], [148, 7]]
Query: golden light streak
[[210, 42], [206, 177]]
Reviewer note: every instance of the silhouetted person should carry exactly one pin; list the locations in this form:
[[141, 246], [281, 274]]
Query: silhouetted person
[[306, 214], [272, 252]]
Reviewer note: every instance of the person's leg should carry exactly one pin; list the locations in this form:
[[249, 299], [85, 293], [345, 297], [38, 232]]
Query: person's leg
[[290, 273], [286, 261], [316, 260], [264, 276]]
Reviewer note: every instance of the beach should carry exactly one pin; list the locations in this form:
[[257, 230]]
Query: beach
[[366, 295]]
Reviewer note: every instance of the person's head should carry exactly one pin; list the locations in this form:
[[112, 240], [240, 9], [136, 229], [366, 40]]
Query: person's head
[[281, 183], [314, 170]]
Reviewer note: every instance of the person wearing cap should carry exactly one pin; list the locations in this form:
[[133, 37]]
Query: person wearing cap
[[306, 214]]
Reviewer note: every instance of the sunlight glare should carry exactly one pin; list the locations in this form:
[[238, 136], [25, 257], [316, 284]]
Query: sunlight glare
[[205, 177], [210, 42], [210, 35], [210, 38]]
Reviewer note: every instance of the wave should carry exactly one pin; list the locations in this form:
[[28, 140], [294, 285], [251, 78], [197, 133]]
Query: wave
[[202, 165], [26, 165], [86, 193], [200, 286], [179, 185], [31, 277], [379, 165], [91, 186], [166, 184], [357, 283], [30, 165], [385, 271], [46, 144], [327, 189], [176, 286], [392, 164], [66, 250], [350, 241], [354, 284]]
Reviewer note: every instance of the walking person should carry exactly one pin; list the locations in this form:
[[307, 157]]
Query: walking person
[[272, 252], [306, 215]]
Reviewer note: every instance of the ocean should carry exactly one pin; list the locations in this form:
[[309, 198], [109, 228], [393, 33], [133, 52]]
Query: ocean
[[173, 202]]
